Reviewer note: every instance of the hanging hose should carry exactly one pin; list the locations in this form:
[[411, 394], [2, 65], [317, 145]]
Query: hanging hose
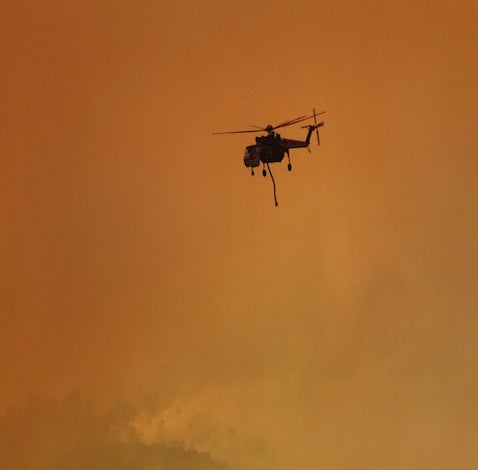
[[273, 183]]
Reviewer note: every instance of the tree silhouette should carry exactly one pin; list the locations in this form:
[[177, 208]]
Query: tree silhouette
[[50, 434]]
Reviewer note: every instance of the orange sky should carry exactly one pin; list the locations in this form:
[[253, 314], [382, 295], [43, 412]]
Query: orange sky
[[138, 256]]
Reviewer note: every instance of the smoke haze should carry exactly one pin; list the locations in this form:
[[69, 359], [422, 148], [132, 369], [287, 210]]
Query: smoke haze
[[141, 265]]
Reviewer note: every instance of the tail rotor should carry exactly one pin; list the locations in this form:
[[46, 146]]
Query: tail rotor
[[314, 126], [317, 126]]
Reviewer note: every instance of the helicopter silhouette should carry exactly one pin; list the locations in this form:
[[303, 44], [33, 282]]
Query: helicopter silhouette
[[272, 148]]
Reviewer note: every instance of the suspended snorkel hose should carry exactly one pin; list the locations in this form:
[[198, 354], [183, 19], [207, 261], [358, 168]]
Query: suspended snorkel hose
[[273, 183]]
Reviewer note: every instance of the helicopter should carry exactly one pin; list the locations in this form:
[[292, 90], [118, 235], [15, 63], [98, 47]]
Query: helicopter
[[272, 148]]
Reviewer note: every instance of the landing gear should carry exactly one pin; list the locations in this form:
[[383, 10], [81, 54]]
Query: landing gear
[[264, 172], [289, 166], [252, 171]]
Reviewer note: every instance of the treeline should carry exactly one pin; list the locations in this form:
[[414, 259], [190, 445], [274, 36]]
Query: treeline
[[68, 434]]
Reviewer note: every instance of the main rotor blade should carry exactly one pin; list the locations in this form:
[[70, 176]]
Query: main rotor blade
[[239, 132], [297, 120], [290, 122], [282, 124]]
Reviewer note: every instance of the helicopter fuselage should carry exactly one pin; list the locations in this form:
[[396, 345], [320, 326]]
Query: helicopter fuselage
[[267, 149], [271, 148]]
